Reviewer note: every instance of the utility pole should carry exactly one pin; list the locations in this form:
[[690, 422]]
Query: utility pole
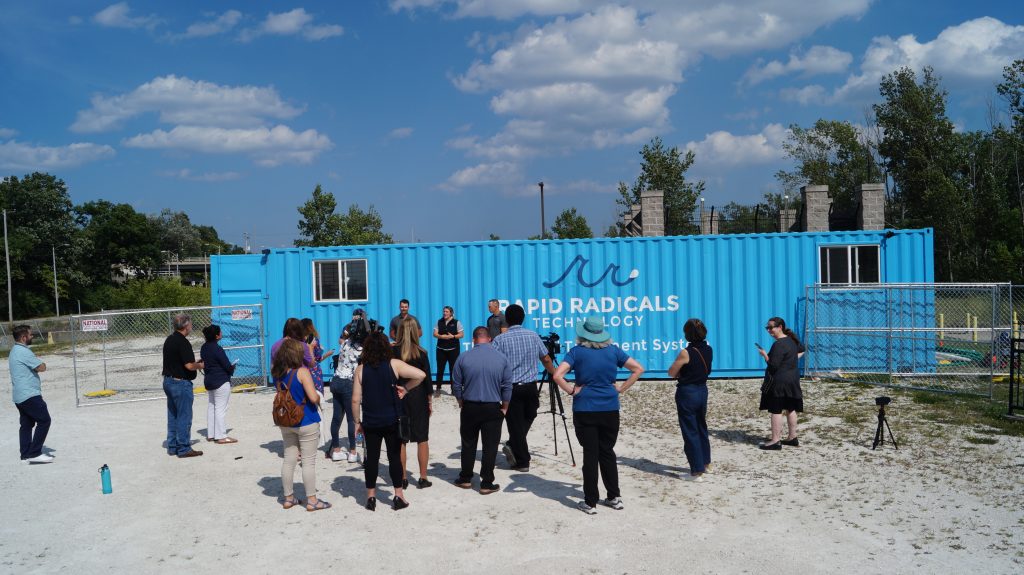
[[56, 295], [543, 227], [7, 256]]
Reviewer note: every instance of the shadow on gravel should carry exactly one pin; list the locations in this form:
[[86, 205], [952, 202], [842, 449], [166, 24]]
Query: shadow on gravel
[[567, 494], [276, 447], [736, 436], [648, 466]]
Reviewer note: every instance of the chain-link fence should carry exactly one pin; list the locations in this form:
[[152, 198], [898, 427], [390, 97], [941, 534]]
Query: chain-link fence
[[940, 337], [118, 355]]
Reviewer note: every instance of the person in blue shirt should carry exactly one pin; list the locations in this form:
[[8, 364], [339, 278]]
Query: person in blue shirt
[[482, 384], [217, 380], [28, 397], [595, 407]]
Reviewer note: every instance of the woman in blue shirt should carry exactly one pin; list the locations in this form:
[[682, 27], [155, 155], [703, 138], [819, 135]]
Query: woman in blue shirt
[[289, 372], [217, 381], [595, 406]]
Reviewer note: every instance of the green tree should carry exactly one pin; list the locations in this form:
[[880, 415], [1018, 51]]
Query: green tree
[[830, 153], [119, 237], [665, 170], [570, 225], [361, 228], [319, 225], [40, 225], [918, 150], [1012, 90], [176, 234]]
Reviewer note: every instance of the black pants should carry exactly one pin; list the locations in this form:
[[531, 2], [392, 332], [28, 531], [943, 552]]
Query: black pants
[[33, 414], [445, 356], [373, 437], [479, 421], [522, 410], [597, 432]]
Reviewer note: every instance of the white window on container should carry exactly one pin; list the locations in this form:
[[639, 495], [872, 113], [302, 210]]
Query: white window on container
[[339, 280], [848, 264]]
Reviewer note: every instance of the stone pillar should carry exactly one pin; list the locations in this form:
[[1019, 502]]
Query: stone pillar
[[709, 223], [652, 210], [871, 199], [816, 206], [786, 219]]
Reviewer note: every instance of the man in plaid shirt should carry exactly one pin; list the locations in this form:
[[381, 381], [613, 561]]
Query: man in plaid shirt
[[524, 349]]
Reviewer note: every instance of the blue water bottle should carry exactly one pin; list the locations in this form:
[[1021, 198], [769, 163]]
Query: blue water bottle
[[105, 479], [359, 439]]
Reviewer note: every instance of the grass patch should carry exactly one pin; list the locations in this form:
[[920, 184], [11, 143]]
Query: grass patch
[[981, 440]]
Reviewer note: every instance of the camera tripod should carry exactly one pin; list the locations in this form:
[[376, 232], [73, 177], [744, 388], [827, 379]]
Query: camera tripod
[[554, 398], [879, 435]]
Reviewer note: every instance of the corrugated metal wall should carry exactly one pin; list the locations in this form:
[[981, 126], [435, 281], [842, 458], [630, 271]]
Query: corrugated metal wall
[[644, 287]]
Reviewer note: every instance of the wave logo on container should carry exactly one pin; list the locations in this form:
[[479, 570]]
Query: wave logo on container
[[579, 263]]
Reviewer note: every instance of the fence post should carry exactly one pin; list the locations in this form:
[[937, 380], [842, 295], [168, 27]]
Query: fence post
[[74, 358], [993, 344]]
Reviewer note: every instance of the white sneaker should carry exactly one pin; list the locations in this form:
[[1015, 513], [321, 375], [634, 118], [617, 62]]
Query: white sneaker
[[613, 502], [353, 458], [586, 508], [338, 456], [41, 458], [699, 478]]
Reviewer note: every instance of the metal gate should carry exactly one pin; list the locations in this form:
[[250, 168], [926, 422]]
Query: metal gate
[[118, 355], [937, 337], [1016, 393]]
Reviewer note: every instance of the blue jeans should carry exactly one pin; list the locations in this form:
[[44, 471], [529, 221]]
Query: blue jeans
[[341, 395], [692, 405], [179, 415]]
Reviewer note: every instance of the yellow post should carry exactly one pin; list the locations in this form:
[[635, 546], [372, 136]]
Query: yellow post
[[974, 334], [942, 324], [1016, 333]]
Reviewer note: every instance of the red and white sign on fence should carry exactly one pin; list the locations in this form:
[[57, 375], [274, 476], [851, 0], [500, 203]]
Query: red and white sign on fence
[[94, 324], [241, 314]]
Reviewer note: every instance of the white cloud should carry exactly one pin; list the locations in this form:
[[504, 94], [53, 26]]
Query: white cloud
[[813, 94], [583, 74], [187, 174], [119, 16], [270, 146], [968, 53], [724, 148], [400, 133], [817, 60], [291, 23], [503, 175], [180, 100], [221, 24], [7, 133], [20, 156]]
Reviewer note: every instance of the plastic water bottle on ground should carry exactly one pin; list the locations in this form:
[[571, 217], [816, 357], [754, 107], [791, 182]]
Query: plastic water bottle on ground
[[105, 480]]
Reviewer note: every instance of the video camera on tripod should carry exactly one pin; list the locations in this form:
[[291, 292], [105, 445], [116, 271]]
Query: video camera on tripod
[[553, 344]]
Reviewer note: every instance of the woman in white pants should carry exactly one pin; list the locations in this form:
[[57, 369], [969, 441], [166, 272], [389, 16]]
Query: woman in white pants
[[217, 380]]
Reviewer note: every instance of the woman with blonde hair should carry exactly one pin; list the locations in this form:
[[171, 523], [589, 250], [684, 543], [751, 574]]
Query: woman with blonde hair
[[290, 374], [418, 403]]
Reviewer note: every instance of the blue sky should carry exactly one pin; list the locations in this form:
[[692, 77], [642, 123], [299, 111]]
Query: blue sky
[[444, 114]]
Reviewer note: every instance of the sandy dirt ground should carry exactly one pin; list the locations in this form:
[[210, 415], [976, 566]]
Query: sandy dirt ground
[[938, 504]]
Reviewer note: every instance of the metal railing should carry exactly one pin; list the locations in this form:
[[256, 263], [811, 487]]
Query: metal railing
[[118, 355]]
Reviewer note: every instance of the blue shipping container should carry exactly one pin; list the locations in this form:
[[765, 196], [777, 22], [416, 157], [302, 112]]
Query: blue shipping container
[[645, 288]]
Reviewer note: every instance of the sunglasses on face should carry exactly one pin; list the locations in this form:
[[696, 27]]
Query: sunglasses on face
[[770, 327]]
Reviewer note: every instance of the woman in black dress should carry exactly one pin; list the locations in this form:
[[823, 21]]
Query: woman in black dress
[[781, 391], [418, 403]]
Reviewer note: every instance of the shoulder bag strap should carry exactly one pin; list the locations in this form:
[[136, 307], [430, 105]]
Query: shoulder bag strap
[[288, 386], [702, 360]]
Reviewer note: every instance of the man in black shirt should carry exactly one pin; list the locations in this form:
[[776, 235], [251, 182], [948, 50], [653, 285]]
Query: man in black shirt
[[403, 312], [179, 371]]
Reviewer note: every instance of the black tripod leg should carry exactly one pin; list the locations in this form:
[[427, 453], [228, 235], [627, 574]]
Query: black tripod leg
[[565, 424], [879, 438], [551, 403], [890, 433]]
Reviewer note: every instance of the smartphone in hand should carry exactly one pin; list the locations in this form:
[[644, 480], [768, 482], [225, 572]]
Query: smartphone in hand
[[235, 362], [758, 346]]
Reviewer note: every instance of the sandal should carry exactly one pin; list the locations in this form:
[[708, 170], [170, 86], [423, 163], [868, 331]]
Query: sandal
[[288, 504], [225, 440], [318, 506]]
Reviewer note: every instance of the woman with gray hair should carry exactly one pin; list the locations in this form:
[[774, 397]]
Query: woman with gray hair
[[595, 406]]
